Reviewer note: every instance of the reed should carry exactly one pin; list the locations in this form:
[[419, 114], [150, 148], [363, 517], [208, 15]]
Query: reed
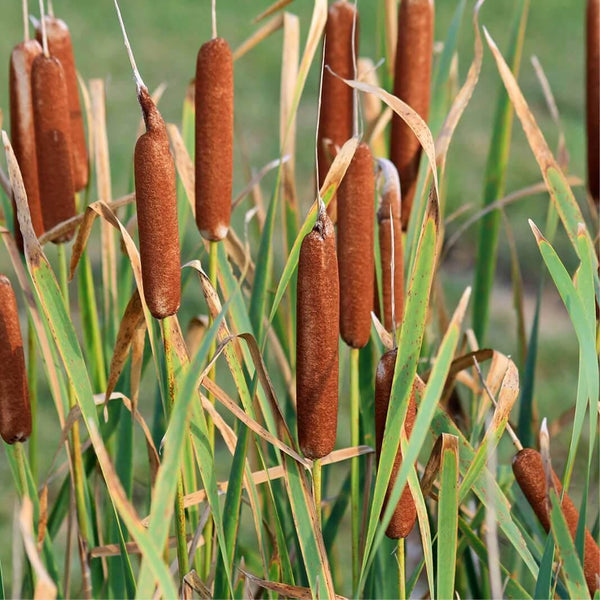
[[593, 97]]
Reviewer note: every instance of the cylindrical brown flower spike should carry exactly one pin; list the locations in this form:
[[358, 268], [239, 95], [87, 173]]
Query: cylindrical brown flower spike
[[53, 142], [156, 200], [214, 138], [411, 84], [317, 324], [22, 131], [336, 112], [593, 97], [405, 514], [356, 256], [529, 473], [390, 246], [15, 411], [60, 46]]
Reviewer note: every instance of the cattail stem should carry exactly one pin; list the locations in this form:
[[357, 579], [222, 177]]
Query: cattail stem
[[317, 489], [19, 454], [354, 472], [213, 14], [401, 569], [25, 21], [43, 26], [182, 555], [32, 379]]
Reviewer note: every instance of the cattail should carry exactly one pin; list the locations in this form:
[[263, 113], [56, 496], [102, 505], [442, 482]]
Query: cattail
[[214, 138], [356, 257], [15, 412], [59, 45], [411, 84], [317, 340], [405, 515], [390, 246], [53, 142], [22, 131], [156, 200], [593, 97], [529, 473], [336, 111]]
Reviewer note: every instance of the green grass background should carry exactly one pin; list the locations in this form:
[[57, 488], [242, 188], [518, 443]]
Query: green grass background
[[165, 37]]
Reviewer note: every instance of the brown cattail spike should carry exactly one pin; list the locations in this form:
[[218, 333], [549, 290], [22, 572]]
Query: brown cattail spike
[[593, 97], [405, 515], [356, 257], [53, 142], [317, 340], [60, 46], [390, 246], [529, 473], [411, 84], [15, 411], [22, 130], [156, 200], [336, 110], [214, 138]]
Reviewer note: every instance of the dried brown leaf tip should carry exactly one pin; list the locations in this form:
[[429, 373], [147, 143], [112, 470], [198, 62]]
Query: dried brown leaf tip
[[412, 81], [356, 257], [214, 138], [156, 200], [336, 110], [317, 340], [53, 142], [405, 513], [15, 411], [60, 46], [22, 130], [529, 473], [593, 97]]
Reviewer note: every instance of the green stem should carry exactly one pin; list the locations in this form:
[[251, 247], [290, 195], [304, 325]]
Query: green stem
[[19, 454], [182, 555], [32, 382], [317, 491], [401, 570], [355, 473]]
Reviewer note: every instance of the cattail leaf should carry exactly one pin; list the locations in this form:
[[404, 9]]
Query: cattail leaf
[[262, 33], [448, 510], [277, 5]]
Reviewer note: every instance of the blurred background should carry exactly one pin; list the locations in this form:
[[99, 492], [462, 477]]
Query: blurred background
[[165, 38]]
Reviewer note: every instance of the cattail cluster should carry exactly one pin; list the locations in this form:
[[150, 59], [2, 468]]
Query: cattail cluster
[[412, 81], [593, 97], [317, 324], [405, 513], [356, 257], [530, 475], [214, 138], [15, 411]]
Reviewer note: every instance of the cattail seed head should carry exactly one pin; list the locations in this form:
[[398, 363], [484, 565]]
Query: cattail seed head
[[60, 46], [53, 142], [156, 201], [390, 246], [405, 515], [593, 97], [529, 473], [214, 138], [317, 324], [15, 411], [22, 130], [356, 257], [336, 111], [412, 80]]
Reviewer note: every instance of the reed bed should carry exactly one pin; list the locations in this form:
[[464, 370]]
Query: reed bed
[[260, 395]]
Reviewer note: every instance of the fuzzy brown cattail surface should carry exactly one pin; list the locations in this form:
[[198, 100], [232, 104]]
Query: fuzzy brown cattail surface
[[22, 130], [405, 514], [317, 324], [390, 246], [60, 47], [593, 97], [412, 81], [337, 103], [356, 256], [15, 411], [214, 138], [53, 142], [530, 475], [156, 201]]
